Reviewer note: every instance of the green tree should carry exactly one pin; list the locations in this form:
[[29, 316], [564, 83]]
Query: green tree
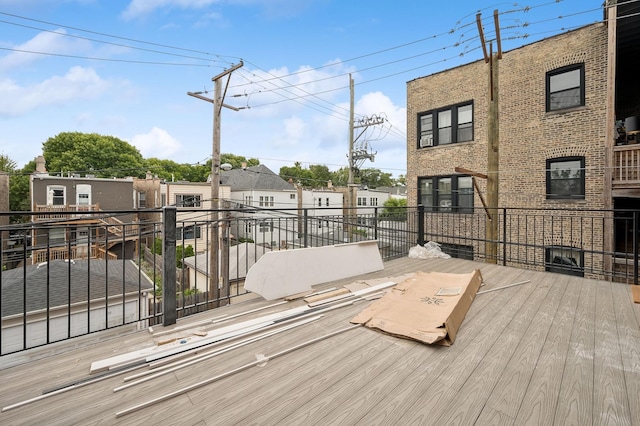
[[91, 153], [297, 174], [183, 252], [374, 178], [236, 161], [7, 164], [395, 208], [171, 171]]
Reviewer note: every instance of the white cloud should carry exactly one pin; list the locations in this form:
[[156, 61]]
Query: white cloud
[[158, 143], [77, 84], [46, 42], [138, 8]]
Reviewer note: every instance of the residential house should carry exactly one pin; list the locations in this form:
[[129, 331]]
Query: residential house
[[69, 221], [257, 189], [64, 298], [241, 258], [193, 203], [563, 103]]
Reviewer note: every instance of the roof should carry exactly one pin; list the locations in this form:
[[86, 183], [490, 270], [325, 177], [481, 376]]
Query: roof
[[81, 275], [258, 177], [556, 349], [241, 257]]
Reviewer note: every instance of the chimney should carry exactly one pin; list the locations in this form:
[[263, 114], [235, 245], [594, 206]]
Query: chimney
[[329, 184], [40, 167]]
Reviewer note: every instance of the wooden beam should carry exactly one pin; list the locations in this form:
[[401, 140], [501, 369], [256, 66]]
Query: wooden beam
[[470, 172]]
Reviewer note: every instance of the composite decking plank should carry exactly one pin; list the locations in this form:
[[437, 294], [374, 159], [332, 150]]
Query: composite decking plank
[[628, 328], [610, 401], [476, 391], [264, 389], [539, 404], [326, 370], [413, 387], [575, 398], [353, 386], [411, 393], [509, 392]]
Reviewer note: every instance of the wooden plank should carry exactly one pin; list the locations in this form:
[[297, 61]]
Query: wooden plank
[[323, 296], [635, 293]]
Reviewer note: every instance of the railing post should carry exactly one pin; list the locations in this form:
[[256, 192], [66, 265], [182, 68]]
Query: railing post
[[169, 306], [504, 236], [636, 229], [306, 227], [375, 223], [420, 225]]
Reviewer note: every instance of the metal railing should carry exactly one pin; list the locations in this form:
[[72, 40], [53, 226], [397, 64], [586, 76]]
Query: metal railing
[[70, 276]]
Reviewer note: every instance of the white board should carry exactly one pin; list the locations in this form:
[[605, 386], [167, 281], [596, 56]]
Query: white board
[[279, 274]]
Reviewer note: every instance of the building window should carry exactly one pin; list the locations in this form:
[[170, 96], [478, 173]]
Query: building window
[[565, 178], [188, 200], [248, 200], [373, 201], [445, 126], [265, 226], [446, 193], [248, 227], [362, 201], [189, 232], [319, 202], [142, 200], [270, 201], [327, 202], [565, 87], [564, 260], [261, 201], [292, 196], [56, 196], [457, 250]]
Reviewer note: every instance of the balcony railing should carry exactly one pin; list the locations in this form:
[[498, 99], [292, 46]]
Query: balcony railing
[[626, 166], [593, 243]]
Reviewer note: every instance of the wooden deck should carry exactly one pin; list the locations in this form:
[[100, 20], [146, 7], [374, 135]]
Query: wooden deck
[[558, 350]]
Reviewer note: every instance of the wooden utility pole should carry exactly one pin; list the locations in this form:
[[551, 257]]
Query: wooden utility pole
[[493, 146], [216, 291], [351, 187]]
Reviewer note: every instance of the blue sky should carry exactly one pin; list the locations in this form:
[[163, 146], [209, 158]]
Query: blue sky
[[124, 68]]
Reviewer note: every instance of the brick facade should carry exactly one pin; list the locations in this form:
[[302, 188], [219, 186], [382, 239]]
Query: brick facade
[[529, 136]]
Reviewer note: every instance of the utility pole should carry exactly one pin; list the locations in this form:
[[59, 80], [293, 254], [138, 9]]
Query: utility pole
[[493, 139], [356, 156], [215, 290]]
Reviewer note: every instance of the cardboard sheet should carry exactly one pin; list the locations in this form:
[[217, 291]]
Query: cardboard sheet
[[414, 310]]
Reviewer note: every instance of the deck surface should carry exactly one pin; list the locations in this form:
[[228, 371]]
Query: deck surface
[[557, 350]]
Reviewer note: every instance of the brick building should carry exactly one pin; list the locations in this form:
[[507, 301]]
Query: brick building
[[563, 102]]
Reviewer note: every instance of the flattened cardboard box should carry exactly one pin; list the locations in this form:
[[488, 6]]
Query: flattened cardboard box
[[428, 307]]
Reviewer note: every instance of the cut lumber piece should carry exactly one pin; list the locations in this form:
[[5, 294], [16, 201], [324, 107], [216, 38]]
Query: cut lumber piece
[[338, 292], [278, 274], [635, 292], [230, 373], [357, 293]]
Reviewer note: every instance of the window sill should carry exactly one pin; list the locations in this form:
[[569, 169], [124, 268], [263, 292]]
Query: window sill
[[448, 145], [565, 110], [566, 200]]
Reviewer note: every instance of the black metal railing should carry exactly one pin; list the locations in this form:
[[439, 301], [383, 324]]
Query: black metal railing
[[93, 271]]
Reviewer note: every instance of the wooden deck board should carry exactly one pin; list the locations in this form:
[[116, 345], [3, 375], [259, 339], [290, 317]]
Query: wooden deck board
[[558, 350], [629, 339], [575, 399], [539, 403]]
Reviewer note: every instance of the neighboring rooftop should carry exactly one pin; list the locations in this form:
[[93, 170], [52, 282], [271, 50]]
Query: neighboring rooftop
[[258, 177]]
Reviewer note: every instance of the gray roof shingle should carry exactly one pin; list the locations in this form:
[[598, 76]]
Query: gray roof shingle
[[87, 280], [254, 178]]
